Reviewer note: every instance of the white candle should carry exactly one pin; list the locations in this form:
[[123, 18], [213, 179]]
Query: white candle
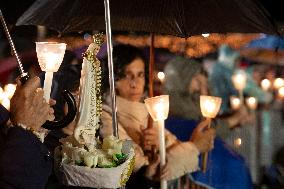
[[235, 102], [50, 56], [158, 107], [210, 106], [162, 149], [265, 84], [239, 80], [47, 85]]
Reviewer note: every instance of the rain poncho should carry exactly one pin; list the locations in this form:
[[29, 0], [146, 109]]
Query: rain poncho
[[179, 73], [220, 78]]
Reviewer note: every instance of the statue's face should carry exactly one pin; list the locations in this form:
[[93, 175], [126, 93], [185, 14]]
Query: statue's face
[[131, 87], [96, 49]]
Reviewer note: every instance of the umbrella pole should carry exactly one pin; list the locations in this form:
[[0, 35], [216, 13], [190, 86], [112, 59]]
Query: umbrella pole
[[150, 88], [151, 66], [151, 75], [110, 68]]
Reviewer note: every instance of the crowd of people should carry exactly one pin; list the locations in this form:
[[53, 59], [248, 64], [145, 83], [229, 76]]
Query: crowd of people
[[27, 162]]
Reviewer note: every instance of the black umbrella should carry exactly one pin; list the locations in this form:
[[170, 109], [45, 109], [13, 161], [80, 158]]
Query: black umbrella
[[175, 17]]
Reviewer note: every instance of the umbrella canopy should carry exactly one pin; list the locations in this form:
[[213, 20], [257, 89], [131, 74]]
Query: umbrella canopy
[[174, 17], [267, 49]]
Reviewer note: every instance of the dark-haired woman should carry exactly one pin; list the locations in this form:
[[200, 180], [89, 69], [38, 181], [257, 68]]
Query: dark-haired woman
[[182, 157]]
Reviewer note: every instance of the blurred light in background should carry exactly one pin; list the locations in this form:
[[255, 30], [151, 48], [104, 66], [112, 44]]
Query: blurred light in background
[[251, 103], [238, 142], [205, 34], [235, 102], [278, 82], [281, 92], [161, 76], [265, 84]]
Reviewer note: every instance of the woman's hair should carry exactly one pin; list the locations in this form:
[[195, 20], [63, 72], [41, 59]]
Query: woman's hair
[[123, 55]]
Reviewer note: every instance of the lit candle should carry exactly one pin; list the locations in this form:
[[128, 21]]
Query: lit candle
[[210, 107], [158, 107], [265, 84], [278, 82], [238, 142], [50, 56], [10, 90], [239, 80], [161, 76], [251, 103], [281, 92], [235, 102]]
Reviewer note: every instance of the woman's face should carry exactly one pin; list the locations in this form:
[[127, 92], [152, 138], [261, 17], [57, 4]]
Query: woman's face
[[131, 87]]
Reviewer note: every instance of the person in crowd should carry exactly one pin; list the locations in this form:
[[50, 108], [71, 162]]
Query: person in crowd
[[273, 177], [220, 80], [25, 162], [220, 77], [182, 157], [185, 81]]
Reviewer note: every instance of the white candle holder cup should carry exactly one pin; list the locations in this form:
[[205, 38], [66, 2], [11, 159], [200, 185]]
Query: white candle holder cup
[[210, 105], [158, 107], [50, 56]]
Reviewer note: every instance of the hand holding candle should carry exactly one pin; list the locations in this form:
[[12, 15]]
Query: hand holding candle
[[158, 107], [50, 56], [210, 107]]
